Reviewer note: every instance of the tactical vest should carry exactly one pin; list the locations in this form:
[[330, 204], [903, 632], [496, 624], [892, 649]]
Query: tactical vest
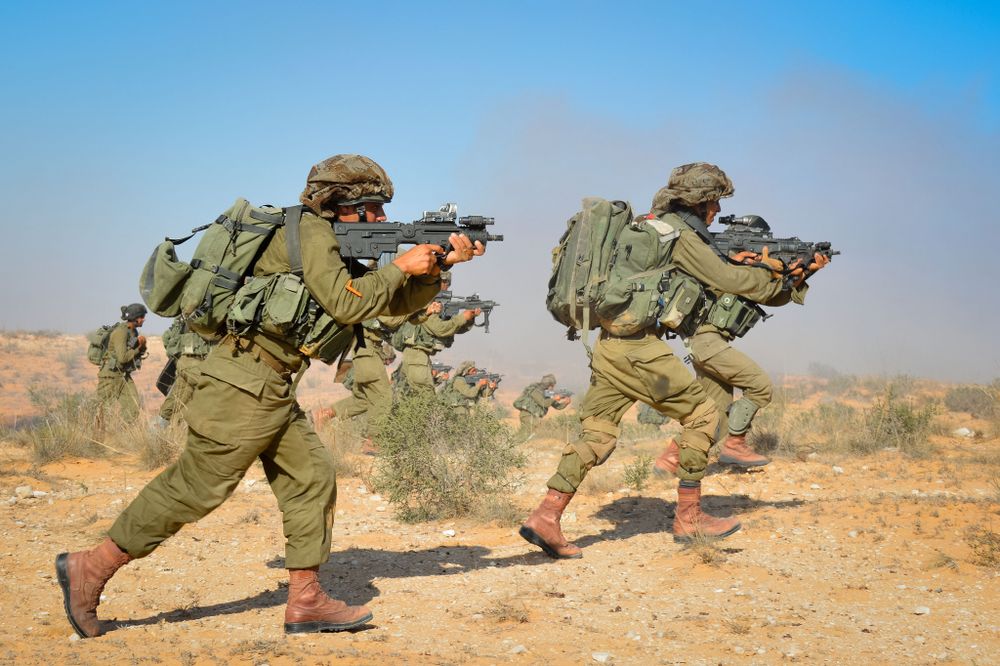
[[526, 403], [108, 361]]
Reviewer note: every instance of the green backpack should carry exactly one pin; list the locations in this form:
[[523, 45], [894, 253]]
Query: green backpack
[[97, 343], [612, 270], [201, 291]]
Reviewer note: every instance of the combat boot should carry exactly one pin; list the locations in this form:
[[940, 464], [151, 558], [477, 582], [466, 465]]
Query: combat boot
[[690, 523], [542, 527], [310, 610], [82, 576], [666, 464], [736, 451]]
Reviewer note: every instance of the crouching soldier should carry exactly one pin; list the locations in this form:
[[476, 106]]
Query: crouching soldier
[[535, 401]]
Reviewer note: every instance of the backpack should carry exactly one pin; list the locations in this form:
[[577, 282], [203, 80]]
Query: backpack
[[581, 261], [201, 291], [612, 270], [97, 343]]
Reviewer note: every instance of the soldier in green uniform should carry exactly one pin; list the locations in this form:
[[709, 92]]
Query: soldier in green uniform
[[188, 349], [492, 383], [245, 407], [422, 341], [719, 367], [626, 369], [458, 392], [535, 401], [126, 349]]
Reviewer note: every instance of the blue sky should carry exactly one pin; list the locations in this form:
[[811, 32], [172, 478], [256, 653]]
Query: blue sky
[[873, 125]]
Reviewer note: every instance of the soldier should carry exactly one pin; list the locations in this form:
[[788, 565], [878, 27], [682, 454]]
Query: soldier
[[458, 392], [720, 368], [188, 350], [126, 349], [421, 341], [643, 367], [245, 407], [492, 382], [534, 402]]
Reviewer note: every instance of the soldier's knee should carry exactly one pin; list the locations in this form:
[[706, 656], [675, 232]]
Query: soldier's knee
[[598, 441], [741, 414], [704, 418]]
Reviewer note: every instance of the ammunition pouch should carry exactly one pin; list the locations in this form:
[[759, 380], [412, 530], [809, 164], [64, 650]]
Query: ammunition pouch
[[684, 303], [279, 305], [735, 315]]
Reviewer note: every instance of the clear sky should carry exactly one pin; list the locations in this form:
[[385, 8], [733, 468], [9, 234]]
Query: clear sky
[[872, 125]]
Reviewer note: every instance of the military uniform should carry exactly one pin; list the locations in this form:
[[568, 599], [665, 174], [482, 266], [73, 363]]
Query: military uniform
[[114, 379], [371, 393], [458, 392], [192, 349], [429, 338], [533, 404]]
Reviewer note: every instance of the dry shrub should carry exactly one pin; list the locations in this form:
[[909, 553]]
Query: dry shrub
[[344, 439], [892, 423], [509, 610], [435, 461], [979, 401], [636, 474], [66, 428], [985, 545], [562, 426]]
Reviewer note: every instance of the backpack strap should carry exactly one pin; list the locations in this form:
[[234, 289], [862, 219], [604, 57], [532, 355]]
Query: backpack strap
[[293, 215]]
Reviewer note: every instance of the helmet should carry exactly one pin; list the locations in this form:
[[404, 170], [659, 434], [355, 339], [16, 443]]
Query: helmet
[[549, 380], [133, 311], [345, 180], [692, 184]]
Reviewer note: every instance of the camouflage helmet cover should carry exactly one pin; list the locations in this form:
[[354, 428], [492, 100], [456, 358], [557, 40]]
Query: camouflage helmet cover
[[692, 184], [345, 180], [549, 380]]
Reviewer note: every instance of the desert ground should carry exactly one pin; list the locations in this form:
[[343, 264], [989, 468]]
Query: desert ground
[[883, 551]]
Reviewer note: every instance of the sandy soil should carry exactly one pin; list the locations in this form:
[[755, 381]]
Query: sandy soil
[[840, 560]]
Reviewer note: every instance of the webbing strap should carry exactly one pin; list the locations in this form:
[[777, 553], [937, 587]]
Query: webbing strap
[[270, 218], [293, 215]]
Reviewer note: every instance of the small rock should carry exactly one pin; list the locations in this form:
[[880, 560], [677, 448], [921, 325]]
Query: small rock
[[853, 534], [38, 493], [518, 649], [12, 500], [23, 492], [816, 486], [249, 483], [738, 649], [602, 657], [838, 470], [380, 508], [921, 610], [964, 432], [448, 533], [73, 637], [376, 498]]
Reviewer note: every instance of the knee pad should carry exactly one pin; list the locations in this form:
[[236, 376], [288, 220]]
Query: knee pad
[[741, 414]]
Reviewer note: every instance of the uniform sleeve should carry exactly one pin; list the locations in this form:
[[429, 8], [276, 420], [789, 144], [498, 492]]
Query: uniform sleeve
[[795, 295], [698, 260], [118, 346], [538, 395], [352, 300], [443, 328], [466, 389]]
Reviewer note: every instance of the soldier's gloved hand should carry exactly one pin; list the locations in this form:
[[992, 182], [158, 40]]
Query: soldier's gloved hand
[[434, 307], [776, 265], [420, 260], [471, 314], [463, 249]]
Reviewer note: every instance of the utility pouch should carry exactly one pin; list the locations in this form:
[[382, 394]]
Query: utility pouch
[[326, 340], [683, 302], [735, 315]]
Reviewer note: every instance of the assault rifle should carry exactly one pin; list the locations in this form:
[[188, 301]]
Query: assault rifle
[[440, 368], [451, 305], [474, 378], [751, 233], [558, 393], [370, 240]]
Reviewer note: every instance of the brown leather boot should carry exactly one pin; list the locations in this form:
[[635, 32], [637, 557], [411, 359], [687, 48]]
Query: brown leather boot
[[666, 464], [310, 610], [82, 576], [542, 527], [690, 523], [735, 451]]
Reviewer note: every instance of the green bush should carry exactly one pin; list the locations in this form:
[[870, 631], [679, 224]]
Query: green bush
[[891, 423], [637, 473], [436, 461], [979, 401]]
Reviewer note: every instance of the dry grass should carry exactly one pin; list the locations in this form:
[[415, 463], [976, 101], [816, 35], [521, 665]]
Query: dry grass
[[985, 545], [509, 610]]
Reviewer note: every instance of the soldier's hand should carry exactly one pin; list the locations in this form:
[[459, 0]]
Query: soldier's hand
[[462, 249], [471, 314], [434, 307], [744, 257], [420, 260], [800, 274], [776, 265], [141, 341]]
